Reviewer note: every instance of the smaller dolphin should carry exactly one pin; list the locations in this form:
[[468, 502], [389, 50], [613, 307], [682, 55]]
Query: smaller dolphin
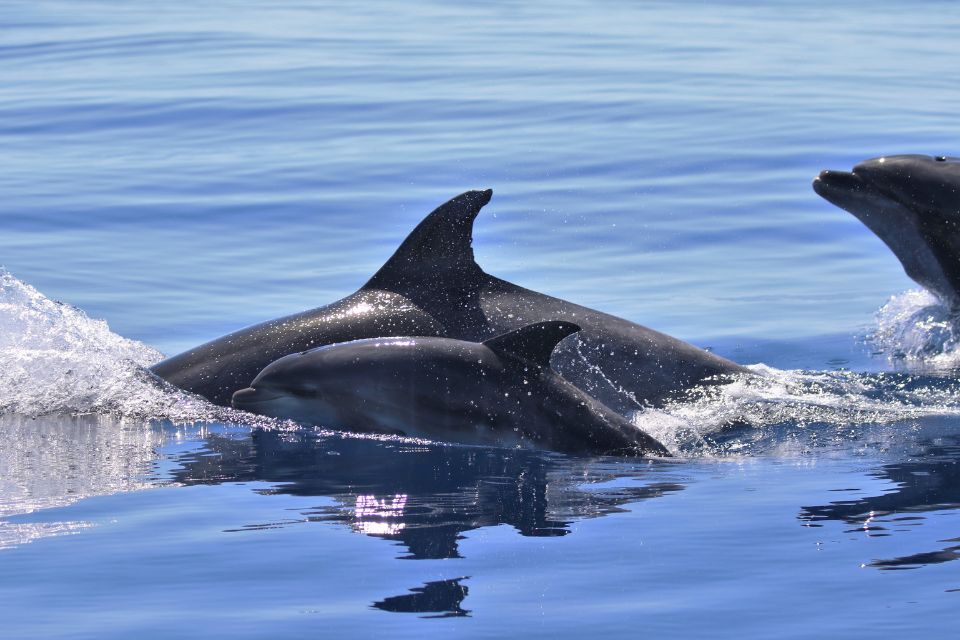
[[499, 392], [912, 203]]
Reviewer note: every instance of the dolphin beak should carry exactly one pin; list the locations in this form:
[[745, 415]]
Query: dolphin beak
[[842, 188], [828, 181]]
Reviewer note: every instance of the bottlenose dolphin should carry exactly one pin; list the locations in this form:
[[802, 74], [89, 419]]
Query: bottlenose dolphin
[[498, 392], [432, 286], [912, 203]]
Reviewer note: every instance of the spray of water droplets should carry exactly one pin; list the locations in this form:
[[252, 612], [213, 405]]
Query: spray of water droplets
[[773, 410], [915, 328], [54, 359]]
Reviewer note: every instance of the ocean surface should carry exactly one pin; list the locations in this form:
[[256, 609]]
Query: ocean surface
[[174, 171]]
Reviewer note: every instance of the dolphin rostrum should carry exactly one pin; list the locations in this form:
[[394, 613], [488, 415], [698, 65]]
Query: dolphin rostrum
[[432, 286], [912, 203], [498, 392]]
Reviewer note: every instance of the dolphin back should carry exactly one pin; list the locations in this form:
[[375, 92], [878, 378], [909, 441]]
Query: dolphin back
[[218, 368]]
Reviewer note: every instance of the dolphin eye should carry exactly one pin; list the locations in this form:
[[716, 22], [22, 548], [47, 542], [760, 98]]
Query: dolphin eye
[[304, 393], [941, 158]]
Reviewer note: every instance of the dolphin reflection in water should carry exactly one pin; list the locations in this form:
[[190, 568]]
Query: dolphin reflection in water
[[425, 497]]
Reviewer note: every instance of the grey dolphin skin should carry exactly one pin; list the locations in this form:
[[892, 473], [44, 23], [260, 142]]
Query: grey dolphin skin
[[432, 286], [912, 203], [499, 392]]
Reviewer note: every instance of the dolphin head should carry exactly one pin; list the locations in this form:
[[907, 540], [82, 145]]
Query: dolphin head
[[365, 385], [317, 386], [912, 203], [281, 390], [918, 182]]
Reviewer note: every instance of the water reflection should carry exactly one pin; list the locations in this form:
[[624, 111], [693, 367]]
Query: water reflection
[[424, 497], [441, 598], [928, 482], [47, 463], [916, 560], [370, 510]]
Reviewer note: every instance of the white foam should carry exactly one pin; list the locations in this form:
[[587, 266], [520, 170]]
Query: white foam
[[790, 412], [54, 359], [786, 412], [915, 328]]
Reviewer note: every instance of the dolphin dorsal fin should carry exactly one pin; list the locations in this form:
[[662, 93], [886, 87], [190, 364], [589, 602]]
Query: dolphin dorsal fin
[[441, 242], [534, 342]]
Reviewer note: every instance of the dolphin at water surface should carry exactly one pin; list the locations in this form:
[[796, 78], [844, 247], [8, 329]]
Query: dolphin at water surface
[[432, 286], [912, 203], [499, 392]]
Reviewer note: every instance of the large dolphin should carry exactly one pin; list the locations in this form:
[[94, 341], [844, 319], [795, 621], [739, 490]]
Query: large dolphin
[[912, 203], [432, 286], [498, 392]]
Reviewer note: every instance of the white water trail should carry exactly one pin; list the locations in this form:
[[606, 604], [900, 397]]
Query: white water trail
[[54, 359], [788, 412]]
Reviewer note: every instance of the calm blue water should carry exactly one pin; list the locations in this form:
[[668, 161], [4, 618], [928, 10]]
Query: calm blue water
[[180, 170]]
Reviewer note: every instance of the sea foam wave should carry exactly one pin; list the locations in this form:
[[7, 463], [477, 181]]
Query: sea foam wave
[[776, 411], [54, 359], [917, 329], [789, 412]]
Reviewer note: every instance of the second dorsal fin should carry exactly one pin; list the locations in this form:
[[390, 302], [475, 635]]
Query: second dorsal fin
[[534, 342], [441, 242]]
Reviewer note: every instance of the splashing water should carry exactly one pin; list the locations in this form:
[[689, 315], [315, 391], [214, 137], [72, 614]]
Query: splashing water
[[915, 328], [792, 412], [56, 359]]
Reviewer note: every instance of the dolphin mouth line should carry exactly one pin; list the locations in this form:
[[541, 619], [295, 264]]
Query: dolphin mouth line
[[830, 184], [843, 180], [251, 397]]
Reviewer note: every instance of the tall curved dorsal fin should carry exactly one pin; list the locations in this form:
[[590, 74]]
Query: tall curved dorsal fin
[[442, 241], [534, 342]]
